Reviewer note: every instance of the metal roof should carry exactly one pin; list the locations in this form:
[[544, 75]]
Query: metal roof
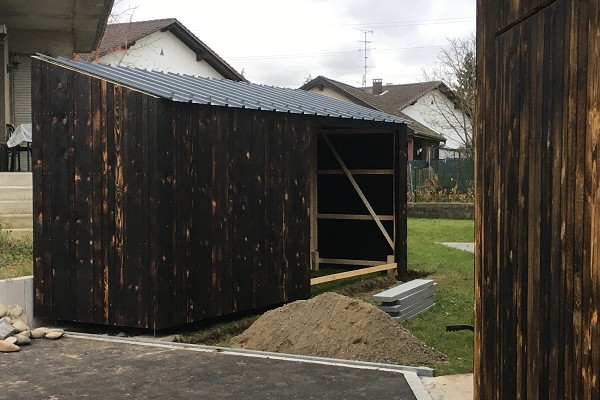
[[225, 93]]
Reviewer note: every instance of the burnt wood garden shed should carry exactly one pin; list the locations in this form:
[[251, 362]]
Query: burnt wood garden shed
[[162, 199]]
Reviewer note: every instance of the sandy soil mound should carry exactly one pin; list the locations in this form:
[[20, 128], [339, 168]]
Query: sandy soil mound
[[332, 325]]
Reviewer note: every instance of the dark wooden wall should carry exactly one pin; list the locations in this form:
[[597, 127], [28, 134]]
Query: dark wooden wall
[[537, 289], [149, 213]]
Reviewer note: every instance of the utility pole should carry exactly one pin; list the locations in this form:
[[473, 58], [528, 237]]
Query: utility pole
[[365, 42]]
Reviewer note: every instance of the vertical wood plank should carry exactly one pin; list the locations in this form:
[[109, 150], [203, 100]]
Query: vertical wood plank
[[117, 283], [97, 199], [203, 164], [37, 156], [60, 114], [109, 270], [164, 217], [299, 227], [593, 129], [258, 187], [153, 182], [177, 133], [400, 217], [70, 206], [145, 290], [568, 199], [82, 269], [243, 224]]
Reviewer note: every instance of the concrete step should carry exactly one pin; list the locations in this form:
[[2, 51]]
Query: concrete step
[[16, 193], [15, 179], [16, 221], [20, 233], [16, 207]]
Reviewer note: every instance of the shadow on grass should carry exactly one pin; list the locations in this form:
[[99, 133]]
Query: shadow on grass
[[417, 274]]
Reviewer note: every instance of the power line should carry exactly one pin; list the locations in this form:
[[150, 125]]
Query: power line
[[329, 53], [441, 21], [368, 25]]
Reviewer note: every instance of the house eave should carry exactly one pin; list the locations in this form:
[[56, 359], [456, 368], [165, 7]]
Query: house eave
[[59, 27]]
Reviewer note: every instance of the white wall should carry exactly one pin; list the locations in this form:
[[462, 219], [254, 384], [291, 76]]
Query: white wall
[[19, 291], [176, 56], [424, 112]]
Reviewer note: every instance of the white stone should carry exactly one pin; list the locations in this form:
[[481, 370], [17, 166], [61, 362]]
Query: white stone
[[20, 326], [3, 310], [6, 347], [23, 318], [39, 333], [14, 311], [11, 340], [53, 335]]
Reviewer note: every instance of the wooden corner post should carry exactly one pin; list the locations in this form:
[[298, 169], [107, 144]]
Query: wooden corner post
[[400, 227]]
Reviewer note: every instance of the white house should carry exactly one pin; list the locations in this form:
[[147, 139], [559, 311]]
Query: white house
[[160, 45], [427, 105]]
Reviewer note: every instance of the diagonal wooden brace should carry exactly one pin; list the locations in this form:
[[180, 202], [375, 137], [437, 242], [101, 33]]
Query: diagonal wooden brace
[[359, 191]]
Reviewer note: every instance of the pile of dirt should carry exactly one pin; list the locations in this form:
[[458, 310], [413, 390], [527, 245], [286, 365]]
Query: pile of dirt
[[336, 326]]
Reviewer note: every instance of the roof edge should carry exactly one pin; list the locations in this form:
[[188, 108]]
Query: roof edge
[[330, 83], [202, 50]]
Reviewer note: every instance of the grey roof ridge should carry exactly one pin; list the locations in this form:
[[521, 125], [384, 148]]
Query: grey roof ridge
[[179, 90]]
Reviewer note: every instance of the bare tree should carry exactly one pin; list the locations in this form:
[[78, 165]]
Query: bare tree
[[455, 66], [122, 11]]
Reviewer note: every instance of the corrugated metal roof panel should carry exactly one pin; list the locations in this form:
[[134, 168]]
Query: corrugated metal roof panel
[[226, 93]]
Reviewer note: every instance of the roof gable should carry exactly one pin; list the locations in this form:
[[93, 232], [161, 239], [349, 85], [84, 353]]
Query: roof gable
[[224, 92], [405, 95], [122, 36], [389, 102]]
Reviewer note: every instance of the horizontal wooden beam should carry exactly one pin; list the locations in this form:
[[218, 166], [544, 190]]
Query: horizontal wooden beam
[[356, 172], [350, 274], [344, 261], [351, 131], [354, 217]]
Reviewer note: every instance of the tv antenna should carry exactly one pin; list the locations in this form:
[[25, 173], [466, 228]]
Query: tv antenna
[[365, 42]]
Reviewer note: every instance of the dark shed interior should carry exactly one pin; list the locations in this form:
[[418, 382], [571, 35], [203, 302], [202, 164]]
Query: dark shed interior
[[162, 199]]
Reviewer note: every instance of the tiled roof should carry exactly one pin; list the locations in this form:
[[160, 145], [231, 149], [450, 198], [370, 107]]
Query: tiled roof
[[121, 36], [117, 36], [401, 96], [226, 93], [392, 101]]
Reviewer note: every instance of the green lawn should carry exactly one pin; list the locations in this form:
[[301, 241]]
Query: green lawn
[[15, 257], [453, 271]]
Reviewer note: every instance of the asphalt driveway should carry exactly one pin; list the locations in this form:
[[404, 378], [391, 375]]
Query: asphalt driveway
[[103, 369]]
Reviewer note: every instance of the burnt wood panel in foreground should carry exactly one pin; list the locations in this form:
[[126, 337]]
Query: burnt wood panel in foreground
[[537, 288]]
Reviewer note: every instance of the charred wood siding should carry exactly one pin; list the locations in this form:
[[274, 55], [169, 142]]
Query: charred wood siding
[[537, 289], [150, 213]]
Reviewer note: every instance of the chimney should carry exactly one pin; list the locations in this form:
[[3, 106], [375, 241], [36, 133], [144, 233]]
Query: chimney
[[377, 87]]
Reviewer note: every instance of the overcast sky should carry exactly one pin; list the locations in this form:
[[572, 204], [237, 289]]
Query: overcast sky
[[283, 42]]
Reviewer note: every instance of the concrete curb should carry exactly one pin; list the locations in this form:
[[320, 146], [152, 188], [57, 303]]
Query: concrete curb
[[419, 371]]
